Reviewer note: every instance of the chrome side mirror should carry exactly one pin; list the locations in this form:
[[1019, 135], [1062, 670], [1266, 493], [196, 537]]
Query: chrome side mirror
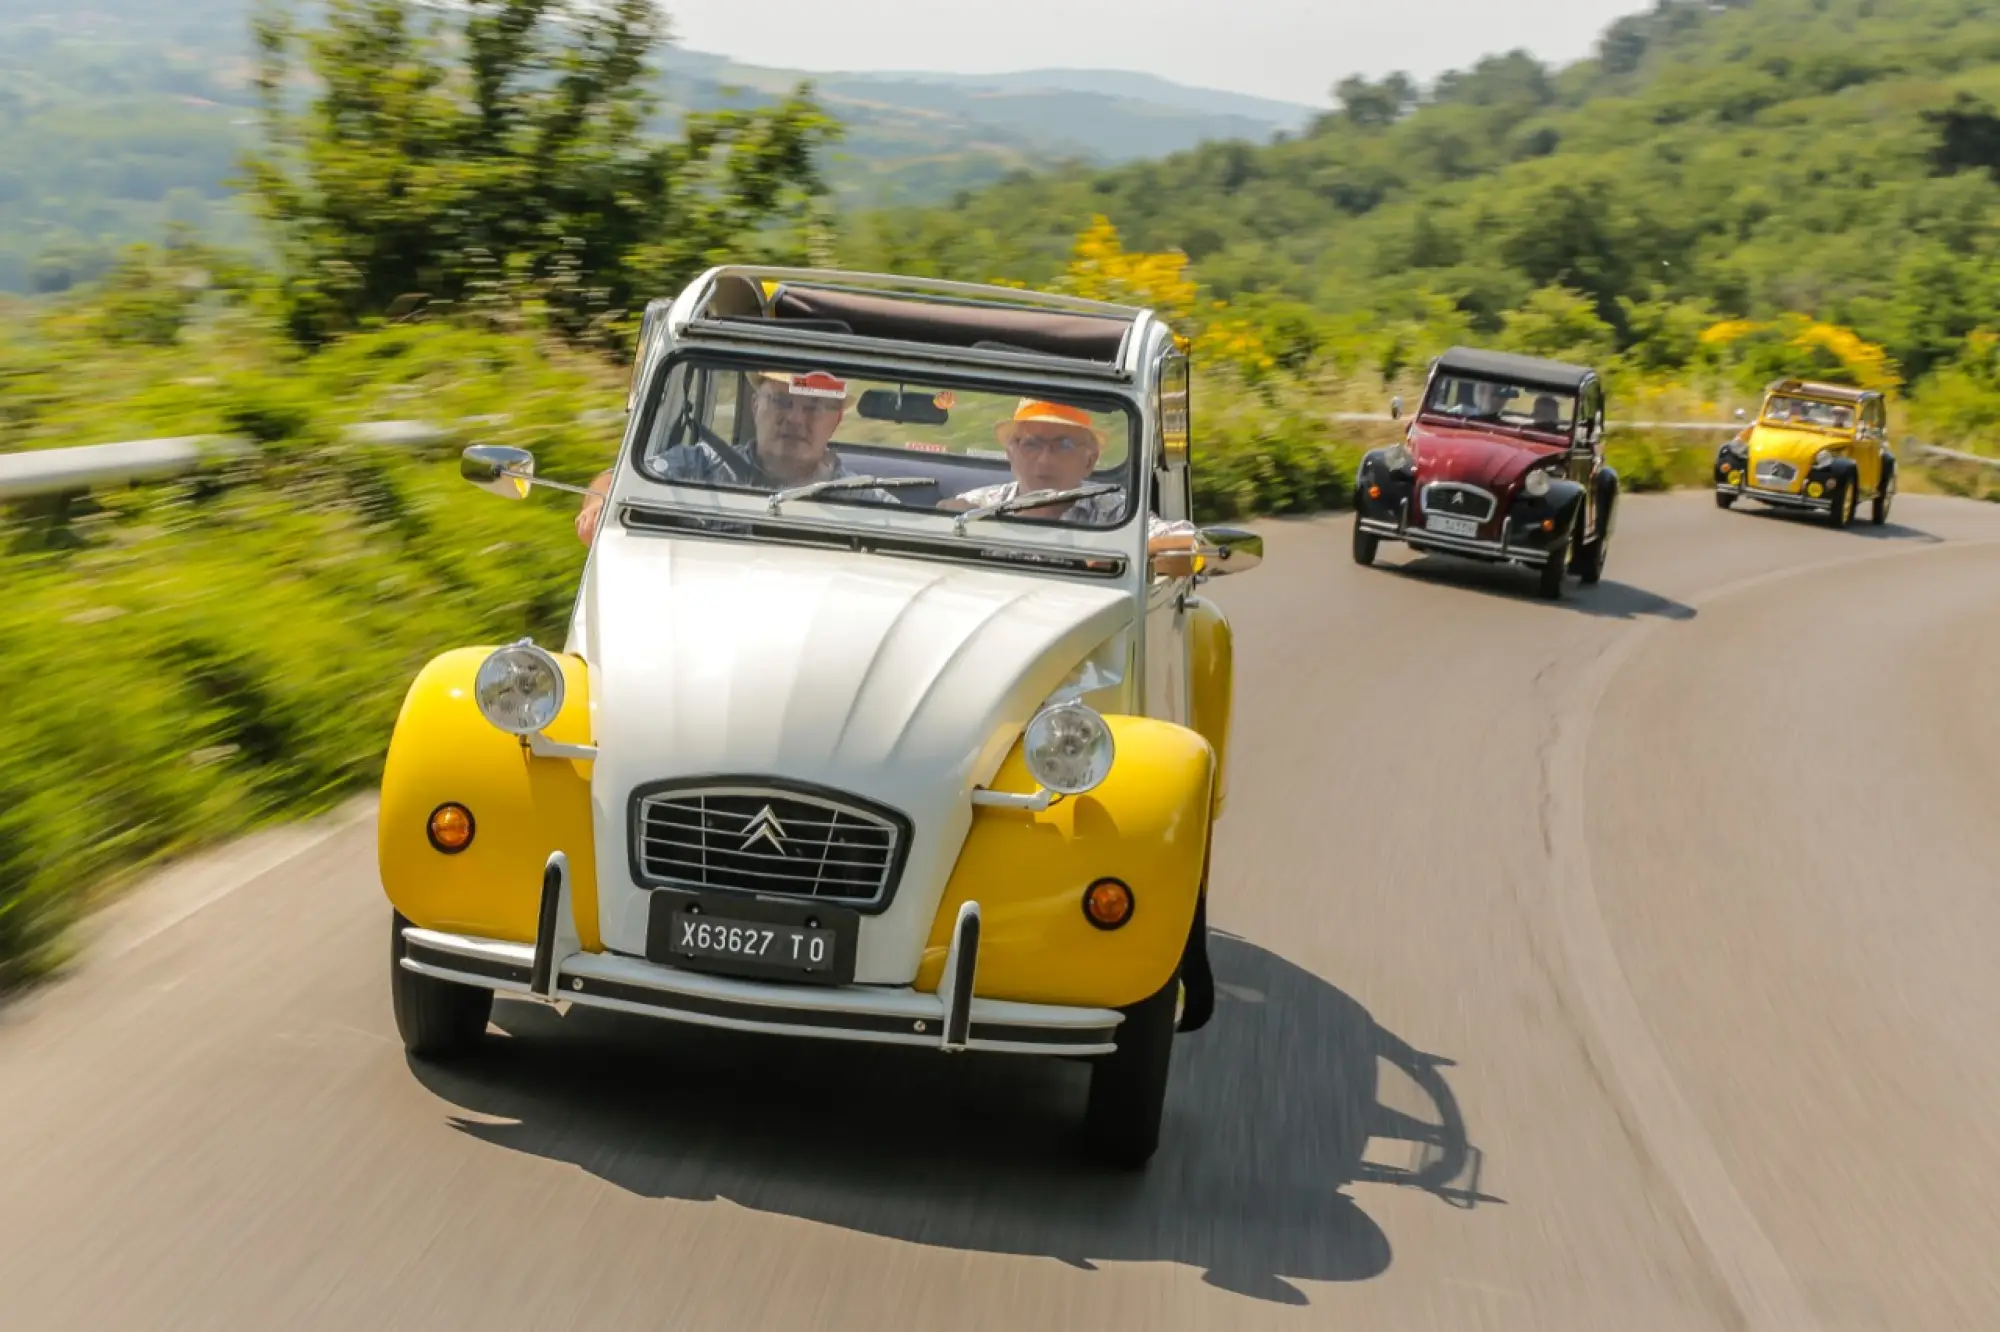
[[499, 468], [1228, 550], [1396, 408], [1742, 415]]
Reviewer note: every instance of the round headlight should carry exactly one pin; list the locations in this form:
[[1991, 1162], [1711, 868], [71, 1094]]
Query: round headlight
[[1822, 458], [519, 688], [1068, 748], [1536, 483]]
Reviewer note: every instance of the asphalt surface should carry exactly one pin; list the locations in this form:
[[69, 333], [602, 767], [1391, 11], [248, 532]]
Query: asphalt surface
[[1618, 963]]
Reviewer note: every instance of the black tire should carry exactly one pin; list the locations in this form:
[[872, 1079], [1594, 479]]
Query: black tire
[[1365, 543], [1591, 555], [1128, 1089], [1885, 495], [1196, 977], [1551, 585], [1724, 500], [1844, 502], [438, 1020]]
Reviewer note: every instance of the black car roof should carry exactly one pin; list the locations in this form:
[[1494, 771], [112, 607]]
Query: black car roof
[[1532, 371]]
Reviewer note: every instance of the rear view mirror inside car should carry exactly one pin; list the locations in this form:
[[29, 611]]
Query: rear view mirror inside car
[[903, 408]]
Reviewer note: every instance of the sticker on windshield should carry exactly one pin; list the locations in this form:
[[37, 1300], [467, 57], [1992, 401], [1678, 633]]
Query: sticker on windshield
[[923, 446], [818, 384]]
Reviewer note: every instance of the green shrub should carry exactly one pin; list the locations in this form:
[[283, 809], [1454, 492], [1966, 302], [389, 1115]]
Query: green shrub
[[200, 656]]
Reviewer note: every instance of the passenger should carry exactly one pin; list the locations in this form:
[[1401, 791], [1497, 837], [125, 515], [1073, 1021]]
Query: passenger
[[1051, 446], [1548, 416], [794, 417]]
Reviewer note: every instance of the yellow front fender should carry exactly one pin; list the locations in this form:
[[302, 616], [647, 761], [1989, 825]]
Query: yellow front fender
[[1211, 677], [1147, 825], [523, 809]]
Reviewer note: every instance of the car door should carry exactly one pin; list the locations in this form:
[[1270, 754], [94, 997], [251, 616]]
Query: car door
[[1169, 495], [1868, 444], [1586, 449]]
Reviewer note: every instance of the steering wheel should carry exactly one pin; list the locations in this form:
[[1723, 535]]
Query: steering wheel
[[738, 462]]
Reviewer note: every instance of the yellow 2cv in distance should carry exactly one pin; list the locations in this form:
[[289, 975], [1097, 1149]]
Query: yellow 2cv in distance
[[890, 709], [1821, 448]]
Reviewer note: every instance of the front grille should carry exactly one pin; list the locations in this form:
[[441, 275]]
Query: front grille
[[757, 839], [1458, 501], [1776, 473]]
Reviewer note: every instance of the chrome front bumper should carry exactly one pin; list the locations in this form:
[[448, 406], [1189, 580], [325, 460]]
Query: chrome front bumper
[[1422, 539], [557, 970], [1781, 498]]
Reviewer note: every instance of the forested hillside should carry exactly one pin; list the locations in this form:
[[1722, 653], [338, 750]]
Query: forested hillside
[[1757, 182], [121, 118]]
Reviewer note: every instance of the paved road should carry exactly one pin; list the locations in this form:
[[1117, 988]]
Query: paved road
[[1623, 963]]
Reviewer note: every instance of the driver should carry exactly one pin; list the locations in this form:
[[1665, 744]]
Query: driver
[[794, 416], [1051, 446]]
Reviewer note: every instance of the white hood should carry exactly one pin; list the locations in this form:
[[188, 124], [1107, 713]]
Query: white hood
[[899, 680]]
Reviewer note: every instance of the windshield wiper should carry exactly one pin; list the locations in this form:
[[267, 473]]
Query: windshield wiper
[[812, 488], [1034, 499]]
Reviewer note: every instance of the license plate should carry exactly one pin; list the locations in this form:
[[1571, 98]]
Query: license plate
[[1438, 522], [756, 938], [808, 950]]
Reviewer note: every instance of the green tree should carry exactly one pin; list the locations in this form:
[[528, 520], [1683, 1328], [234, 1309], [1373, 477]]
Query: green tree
[[435, 155], [1368, 106], [1561, 324]]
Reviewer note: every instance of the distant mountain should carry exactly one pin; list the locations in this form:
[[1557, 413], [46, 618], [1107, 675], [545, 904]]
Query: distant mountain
[[910, 136], [119, 116], [1131, 86]]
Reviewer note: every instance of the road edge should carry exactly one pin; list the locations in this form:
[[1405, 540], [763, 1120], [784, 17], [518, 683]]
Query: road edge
[[1634, 1072]]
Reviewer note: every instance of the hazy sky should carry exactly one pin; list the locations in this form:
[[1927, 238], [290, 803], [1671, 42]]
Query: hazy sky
[[1291, 49]]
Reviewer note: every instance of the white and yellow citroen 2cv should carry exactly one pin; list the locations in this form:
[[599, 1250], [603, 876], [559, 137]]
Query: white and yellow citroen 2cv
[[889, 711]]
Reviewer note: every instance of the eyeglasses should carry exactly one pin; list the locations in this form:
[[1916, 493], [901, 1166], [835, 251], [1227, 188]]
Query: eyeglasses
[[779, 401], [1047, 443]]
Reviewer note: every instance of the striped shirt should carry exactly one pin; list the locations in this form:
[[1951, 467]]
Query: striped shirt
[[1096, 510]]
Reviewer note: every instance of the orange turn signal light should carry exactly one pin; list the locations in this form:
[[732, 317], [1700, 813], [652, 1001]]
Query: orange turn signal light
[[450, 828], [1374, 492], [1548, 524], [1107, 903]]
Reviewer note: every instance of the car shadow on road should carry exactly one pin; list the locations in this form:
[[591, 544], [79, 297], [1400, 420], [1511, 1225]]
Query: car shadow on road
[[1889, 531], [1272, 1114], [1608, 599]]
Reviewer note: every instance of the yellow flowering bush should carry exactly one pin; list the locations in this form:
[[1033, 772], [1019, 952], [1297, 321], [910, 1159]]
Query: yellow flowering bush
[[1102, 269], [1797, 344]]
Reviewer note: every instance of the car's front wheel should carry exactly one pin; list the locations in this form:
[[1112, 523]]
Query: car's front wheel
[[1197, 979], [1724, 499], [1365, 543], [1590, 556], [1844, 501], [1884, 498], [437, 1019], [1128, 1088], [1551, 585]]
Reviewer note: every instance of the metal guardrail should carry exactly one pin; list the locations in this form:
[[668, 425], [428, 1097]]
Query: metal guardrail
[[59, 471], [1914, 445], [1937, 452], [1383, 418], [54, 471], [67, 471]]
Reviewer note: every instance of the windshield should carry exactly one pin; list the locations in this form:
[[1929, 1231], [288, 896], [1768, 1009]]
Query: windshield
[[903, 443], [1784, 409], [1496, 400]]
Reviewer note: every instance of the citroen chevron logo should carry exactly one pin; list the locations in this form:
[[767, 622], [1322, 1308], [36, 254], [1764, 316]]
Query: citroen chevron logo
[[765, 828]]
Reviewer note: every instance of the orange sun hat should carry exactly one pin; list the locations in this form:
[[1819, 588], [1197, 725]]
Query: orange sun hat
[[1035, 410]]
